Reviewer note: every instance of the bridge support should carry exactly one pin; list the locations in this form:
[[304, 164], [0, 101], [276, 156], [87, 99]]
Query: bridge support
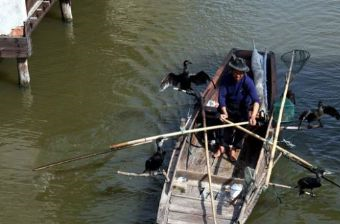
[[66, 11], [23, 73]]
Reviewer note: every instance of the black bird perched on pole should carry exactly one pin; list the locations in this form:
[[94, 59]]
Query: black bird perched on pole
[[311, 182], [315, 114], [155, 162], [183, 80]]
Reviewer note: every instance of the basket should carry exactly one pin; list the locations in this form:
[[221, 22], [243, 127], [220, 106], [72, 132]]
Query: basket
[[288, 111]]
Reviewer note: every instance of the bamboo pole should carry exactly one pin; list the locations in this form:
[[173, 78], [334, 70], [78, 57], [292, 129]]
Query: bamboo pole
[[280, 185], [147, 174], [136, 142], [287, 187], [285, 152], [277, 130], [207, 159], [173, 134]]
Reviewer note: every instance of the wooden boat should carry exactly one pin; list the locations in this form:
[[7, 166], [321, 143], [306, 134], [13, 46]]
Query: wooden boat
[[186, 197]]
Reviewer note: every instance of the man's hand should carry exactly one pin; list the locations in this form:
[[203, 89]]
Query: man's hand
[[224, 117], [252, 120]]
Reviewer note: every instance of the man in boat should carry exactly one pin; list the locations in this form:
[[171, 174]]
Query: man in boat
[[238, 101]]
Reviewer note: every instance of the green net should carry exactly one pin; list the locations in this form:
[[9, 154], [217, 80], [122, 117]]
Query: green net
[[288, 111]]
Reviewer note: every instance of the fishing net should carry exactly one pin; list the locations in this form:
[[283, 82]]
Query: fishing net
[[300, 59]]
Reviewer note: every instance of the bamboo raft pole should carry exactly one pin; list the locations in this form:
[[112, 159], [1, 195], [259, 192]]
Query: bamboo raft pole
[[207, 160], [148, 174], [277, 130], [136, 142]]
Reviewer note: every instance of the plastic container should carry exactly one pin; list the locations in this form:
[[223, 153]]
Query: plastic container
[[288, 111]]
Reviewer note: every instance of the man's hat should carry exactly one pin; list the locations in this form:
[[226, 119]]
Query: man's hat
[[238, 64]]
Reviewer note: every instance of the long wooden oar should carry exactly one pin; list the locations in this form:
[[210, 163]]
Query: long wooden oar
[[172, 134], [136, 142], [277, 130], [291, 156], [207, 159]]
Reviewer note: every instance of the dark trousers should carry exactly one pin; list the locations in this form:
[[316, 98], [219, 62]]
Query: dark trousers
[[232, 136], [227, 136]]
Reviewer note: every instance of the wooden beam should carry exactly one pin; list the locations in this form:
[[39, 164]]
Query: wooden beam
[[15, 47], [36, 14]]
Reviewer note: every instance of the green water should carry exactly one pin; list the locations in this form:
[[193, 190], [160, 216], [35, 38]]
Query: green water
[[96, 82]]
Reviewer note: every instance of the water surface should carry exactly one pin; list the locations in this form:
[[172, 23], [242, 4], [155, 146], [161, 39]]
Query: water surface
[[95, 82]]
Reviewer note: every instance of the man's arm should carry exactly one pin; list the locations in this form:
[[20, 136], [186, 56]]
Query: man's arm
[[252, 118], [222, 103]]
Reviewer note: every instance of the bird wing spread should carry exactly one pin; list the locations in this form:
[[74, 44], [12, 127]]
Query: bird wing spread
[[200, 78], [170, 80], [331, 111]]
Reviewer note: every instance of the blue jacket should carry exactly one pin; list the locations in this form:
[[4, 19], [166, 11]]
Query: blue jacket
[[240, 95]]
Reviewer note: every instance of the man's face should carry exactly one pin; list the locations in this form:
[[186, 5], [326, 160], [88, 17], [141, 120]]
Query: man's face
[[238, 75]]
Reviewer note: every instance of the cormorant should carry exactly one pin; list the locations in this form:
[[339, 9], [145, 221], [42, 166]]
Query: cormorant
[[315, 114], [183, 80], [309, 183], [156, 160]]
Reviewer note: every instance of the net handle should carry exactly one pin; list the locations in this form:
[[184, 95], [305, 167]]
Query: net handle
[[277, 130]]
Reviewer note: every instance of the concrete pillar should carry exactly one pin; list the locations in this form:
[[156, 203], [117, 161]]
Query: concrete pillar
[[24, 76], [66, 11]]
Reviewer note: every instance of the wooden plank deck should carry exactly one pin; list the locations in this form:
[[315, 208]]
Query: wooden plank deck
[[184, 218], [19, 47], [194, 160]]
